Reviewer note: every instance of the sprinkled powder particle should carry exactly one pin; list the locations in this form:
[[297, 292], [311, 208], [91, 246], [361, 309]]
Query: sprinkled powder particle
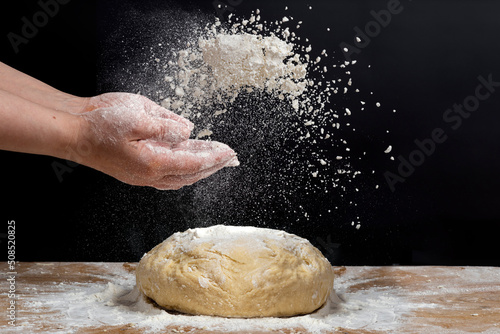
[[249, 83], [118, 303]]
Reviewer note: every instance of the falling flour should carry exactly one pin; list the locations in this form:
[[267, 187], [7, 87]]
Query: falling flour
[[244, 64], [226, 63], [283, 105]]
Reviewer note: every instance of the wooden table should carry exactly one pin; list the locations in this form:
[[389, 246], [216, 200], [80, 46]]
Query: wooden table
[[415, 299]]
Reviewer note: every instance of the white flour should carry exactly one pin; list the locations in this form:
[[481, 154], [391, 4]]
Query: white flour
[[119, 303], [220, 234], [244, 57], [225, 63], [244, 60], [367, 299], [288, 108], [260, 78]]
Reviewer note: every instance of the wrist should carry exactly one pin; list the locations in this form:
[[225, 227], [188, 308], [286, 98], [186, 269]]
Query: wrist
[[73, 143], [73, 104]]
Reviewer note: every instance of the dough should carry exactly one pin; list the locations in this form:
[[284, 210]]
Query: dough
[[234, 271]]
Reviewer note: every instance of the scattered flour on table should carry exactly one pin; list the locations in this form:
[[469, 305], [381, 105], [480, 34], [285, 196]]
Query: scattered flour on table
[[119, 303], [361, 303]]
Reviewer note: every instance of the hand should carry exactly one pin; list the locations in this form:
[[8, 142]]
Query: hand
[[124, 135], [138, 142]]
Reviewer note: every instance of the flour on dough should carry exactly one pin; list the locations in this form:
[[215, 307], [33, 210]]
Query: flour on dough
[[234, 271]]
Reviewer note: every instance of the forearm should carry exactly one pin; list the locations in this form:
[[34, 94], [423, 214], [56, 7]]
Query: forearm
[[32, 128], [31, 89]]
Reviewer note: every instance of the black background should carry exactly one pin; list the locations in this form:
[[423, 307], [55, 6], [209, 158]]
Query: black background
[[428, 58]]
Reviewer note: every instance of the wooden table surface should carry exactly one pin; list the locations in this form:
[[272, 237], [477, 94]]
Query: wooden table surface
[[439, 300]]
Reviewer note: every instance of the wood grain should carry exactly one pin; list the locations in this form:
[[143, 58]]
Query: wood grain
[[454, 299]]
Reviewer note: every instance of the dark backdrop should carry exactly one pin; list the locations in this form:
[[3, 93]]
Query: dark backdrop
[[427, 58]]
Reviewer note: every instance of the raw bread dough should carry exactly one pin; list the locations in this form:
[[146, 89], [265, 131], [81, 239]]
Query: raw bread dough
[[236, 272]]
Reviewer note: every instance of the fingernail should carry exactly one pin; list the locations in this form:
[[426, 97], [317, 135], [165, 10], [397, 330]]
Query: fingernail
[[218, 146], [234, 162]]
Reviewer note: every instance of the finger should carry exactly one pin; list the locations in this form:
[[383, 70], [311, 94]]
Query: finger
[[203, 154], [193, 156], [159, 111], [201, 145], [174, 182], [234, 162], [166, 130]]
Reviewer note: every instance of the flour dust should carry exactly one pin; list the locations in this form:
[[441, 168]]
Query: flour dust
[[278, 102]]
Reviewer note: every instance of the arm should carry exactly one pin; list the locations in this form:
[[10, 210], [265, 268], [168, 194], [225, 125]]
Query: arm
[[31, 89], [130, 138], [124, 135], [32, 128]]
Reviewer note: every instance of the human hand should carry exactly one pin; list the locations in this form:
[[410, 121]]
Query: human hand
[[138, 142]]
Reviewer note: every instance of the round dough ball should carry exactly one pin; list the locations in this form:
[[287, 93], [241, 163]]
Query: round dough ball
[[235, 271]]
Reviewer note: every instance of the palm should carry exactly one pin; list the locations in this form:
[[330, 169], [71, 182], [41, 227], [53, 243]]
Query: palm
[[141, 143]]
